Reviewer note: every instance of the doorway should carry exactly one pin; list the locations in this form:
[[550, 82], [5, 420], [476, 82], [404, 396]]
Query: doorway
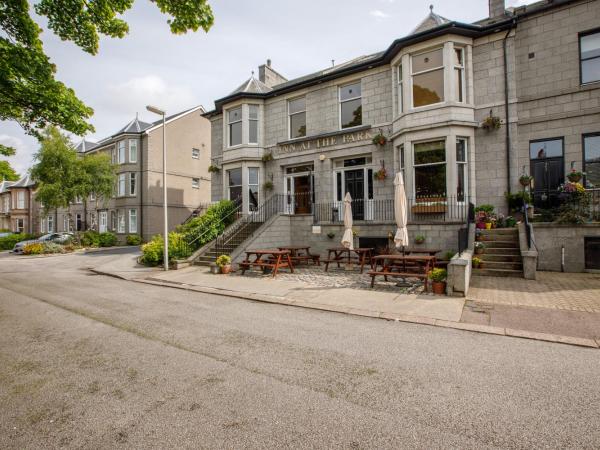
[[354, 183], [547, 167], [103, 225], [299, 183]]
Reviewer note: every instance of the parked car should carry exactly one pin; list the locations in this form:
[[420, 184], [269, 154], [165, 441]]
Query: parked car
[[58, 238], [4, 234]]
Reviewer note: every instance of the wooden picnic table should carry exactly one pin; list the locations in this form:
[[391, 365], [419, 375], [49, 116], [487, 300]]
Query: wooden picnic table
[[267, 258], [301, 253], [396, 265], [339, 254], [419, 250]]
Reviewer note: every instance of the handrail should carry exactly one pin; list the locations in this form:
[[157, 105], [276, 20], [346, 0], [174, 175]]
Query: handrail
[[527, 225], [198, 211], [235, 211]]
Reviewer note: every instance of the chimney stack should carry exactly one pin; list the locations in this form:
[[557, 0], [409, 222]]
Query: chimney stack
[[270, 77], [497, 8]]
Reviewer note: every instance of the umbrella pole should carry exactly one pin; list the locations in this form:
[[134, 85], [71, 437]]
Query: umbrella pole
[[403, 282]]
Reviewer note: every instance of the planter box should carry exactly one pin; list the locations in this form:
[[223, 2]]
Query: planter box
[[429, 209]]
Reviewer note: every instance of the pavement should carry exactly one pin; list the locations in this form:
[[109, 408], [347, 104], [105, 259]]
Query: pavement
[[98, 362]]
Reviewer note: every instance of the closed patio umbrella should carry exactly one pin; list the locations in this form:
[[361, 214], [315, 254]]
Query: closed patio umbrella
[[348, 238], [400, 212]]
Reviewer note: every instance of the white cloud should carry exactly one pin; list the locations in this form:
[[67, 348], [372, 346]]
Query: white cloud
[[378, 14], [24, 156]]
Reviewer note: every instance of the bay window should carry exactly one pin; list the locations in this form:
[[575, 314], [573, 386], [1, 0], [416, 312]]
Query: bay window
[[253, 124], [400, 93], [235, 183], [121, 152], [297, 117], [132, 184], [21, 200], [234, 120], [459, 74], [350, 105], [428, 78], [121, 185], [430, 169], [253, 187], [121, 221], [133, 150], [461, 169], [133, 220]]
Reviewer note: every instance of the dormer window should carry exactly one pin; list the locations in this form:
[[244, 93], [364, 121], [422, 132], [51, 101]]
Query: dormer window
[[234, 117], [428, 78]]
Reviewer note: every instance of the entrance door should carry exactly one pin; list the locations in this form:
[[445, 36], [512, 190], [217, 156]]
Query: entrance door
[[548, 171], [354, 183], [103, 221], [302, 195]]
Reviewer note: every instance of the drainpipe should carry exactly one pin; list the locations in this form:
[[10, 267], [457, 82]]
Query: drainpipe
[[506, 108]]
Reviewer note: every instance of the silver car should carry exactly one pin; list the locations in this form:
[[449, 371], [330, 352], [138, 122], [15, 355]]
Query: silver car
[[58, 238]]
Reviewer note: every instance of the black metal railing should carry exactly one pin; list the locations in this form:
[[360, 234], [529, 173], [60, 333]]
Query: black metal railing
[[463, 232], [201, 209], [568, 207]]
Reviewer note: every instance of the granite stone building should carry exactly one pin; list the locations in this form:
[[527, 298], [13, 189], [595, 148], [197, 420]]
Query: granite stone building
[[465, 110], [18, 209], [136, 205]]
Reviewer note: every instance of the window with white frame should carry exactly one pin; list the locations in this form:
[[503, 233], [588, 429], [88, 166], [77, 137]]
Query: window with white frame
[[253, 183], [113, 220], [428, 78], [133, 220], [19, 225], [462, 175], [93, 197], [429, 162], [121, 221], [50, 222], [133, 150], [235, 183], [122, 181], [196, 183], [195, 153], [6, 203], [400, 92], [589, 56], [253, 124], [113, 154], [78, 200], [121, 152], [350, 105], [21, 200], [297, 117], [401, 159], [459, 74], [133, 184], [234, 126], [66, 224]]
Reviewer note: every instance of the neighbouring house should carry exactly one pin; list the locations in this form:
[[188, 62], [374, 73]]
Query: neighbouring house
[[18, 208], [136, 206], [461, 109]]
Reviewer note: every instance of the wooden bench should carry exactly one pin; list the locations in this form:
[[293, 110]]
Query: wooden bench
[[274, 259], [387, 274], [391, 265]]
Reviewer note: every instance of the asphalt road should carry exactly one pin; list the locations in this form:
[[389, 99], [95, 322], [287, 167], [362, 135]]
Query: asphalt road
[[96, 362]]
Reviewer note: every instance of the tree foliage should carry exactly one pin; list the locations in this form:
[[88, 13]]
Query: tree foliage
[[29, 92]]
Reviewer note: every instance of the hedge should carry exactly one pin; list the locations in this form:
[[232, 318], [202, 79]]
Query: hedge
[[153, 254], [203, 229], [8, 242]]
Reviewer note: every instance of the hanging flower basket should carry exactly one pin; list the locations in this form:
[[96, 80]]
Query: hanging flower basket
[[213, 169], [525, 180], [381, 174], [575, 176], [379, 139], [268, 186], [267, 157], [491, 123]]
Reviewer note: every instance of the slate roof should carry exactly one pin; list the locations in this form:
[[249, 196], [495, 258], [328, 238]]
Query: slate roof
[[85, 146], [252, 86], [135, 126], [23, 182], [431, 21], [4, 185]]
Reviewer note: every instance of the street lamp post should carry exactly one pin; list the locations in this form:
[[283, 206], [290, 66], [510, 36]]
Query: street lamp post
[[162, 113]]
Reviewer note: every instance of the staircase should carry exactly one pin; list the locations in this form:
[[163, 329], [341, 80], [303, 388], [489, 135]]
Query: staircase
[[227, 243], [502, 255]]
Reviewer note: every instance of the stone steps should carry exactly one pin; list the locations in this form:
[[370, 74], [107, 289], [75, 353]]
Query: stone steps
[[498, 273], [502, 265], [502, 255], [515, 258], [501, 251]]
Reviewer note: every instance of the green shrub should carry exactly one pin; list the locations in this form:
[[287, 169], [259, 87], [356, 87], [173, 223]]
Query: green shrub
[[107, 239], [134, 239], [438, 275], [223, 260], [8, 242], [203, 229], [90, 239], [33, 249], [486, 208], [53, 247], [152, 252]]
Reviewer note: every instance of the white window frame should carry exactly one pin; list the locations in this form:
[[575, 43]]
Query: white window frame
[[121, 152], [251, 121], [20, 200], [296, 113], [195, 183], [132, 184], [93, 197], [121, 221], [50, 224], [400, 85], [412, 75], [122, 185], [340, 102], [133, 145], [257, 184], [465, 169], [19, 225], [460, 68], [241, 185], [414, 165], [229, 144], [132, 220], [103, 221], [195, 153]]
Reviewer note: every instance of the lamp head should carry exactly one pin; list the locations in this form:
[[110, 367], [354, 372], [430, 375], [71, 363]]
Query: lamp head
[[155, 110]]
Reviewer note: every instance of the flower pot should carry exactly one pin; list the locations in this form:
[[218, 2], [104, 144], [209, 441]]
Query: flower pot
[[226, 269], [480, 225], [478, 251], [476, 265], [439, 287], [214, 269], [574, 178], [488, 226]]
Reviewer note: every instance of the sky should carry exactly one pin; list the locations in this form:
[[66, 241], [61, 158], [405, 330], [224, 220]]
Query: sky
[[175, 72]]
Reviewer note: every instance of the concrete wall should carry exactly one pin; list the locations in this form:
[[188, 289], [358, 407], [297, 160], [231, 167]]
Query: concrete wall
[[550, 239]]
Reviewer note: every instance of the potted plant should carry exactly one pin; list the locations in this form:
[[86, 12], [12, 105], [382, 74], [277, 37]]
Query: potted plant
[[491, 122], [438, 281], [525, 180], [510, 222], [419, 239], [224, 263], [268, 186], [331, 235], [379, 139], [575, 176], [449, 254], [479, 248], [213, 169], [476, 262], [381, 174], [267, 157]]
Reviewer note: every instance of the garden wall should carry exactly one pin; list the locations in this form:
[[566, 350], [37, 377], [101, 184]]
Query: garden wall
[[551, 238]]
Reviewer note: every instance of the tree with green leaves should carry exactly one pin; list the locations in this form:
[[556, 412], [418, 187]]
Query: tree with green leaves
[[6, 171], [29, 91], [62, 175]]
